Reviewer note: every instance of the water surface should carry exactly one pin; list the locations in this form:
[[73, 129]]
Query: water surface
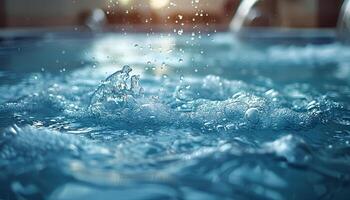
[[160, 116]]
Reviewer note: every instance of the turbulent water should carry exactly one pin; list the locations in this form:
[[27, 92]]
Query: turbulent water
[[169, 117]]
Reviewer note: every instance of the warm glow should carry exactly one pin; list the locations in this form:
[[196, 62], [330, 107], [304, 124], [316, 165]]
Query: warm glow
[[157, 4], [124, 2]]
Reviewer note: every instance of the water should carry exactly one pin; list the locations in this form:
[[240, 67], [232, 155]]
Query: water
[[173, 118]]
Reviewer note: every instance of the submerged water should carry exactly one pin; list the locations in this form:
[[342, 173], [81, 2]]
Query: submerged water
[[169, 117]]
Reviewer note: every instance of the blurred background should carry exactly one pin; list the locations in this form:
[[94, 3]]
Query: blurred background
[[164, 15]]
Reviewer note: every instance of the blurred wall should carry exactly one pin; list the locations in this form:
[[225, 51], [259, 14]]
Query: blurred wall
[[69, 12], [298, 13], [2, 13], [328, 12], [289, 13], [292, 13], [47, 12]]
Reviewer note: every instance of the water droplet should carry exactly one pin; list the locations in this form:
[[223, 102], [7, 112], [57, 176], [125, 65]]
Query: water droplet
[[181, 77]]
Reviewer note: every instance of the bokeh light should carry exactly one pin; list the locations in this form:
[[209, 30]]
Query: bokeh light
[[157, 4], [124, 2]]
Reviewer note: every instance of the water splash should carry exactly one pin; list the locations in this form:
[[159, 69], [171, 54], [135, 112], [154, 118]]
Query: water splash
[[212, 103], [114, 93]]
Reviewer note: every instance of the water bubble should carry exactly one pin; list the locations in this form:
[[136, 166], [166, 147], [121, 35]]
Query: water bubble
[[312, 105], [220, 128], [252, 115]]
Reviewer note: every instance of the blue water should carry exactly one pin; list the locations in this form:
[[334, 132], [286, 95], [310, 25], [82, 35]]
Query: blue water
[[158, 116]]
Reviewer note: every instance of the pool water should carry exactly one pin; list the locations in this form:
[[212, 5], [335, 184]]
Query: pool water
[[158, 116]]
